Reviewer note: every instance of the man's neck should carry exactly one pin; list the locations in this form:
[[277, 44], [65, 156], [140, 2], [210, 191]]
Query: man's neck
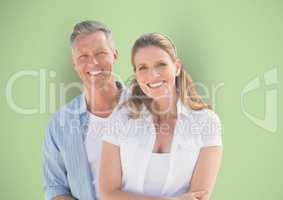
[[101, 101]]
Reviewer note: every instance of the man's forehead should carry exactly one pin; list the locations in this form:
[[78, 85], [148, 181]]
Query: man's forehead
[[88, 46], [97, 40]]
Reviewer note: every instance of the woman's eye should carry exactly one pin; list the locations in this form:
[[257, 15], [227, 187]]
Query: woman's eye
[[162, 64]]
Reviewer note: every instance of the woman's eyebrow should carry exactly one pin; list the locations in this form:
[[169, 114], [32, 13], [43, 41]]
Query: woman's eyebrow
[[141, 65], [160, 61]]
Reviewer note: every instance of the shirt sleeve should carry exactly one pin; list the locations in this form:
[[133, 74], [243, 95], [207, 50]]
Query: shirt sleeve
[[211, 133], [55, 175], [112, 131]]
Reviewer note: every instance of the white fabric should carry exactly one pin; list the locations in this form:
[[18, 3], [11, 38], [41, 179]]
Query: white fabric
[[93, 141], [136, 137], [156, 173]]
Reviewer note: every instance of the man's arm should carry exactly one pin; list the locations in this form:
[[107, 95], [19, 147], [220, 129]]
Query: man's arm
[[55, 175]]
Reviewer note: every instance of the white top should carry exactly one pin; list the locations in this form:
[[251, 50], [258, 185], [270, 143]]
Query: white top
[[194, 129], [156, 174], [93, 141]]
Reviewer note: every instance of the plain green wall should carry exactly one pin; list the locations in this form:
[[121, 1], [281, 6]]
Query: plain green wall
[[226, 43]]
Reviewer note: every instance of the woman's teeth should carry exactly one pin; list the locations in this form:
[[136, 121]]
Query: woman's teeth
[[155, 85], [94, 73]]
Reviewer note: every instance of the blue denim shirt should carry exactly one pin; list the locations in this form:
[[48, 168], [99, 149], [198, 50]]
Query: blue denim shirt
[[66, 168], [65, 164]]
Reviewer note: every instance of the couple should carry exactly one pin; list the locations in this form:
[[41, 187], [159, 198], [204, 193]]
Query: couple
[[157, 140]]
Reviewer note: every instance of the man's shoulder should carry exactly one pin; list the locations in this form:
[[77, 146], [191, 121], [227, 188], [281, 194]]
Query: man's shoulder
[[70, 110]]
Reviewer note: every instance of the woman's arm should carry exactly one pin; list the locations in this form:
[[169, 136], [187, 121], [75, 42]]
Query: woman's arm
[[206, 170], [111, 179], [111, 176]]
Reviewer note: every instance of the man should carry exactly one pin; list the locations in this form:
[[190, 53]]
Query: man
[[73, 137]]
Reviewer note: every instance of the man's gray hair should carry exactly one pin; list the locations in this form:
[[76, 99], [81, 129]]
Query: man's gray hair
[[87, 27]]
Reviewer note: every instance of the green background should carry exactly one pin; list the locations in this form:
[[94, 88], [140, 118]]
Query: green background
[[220, 42]]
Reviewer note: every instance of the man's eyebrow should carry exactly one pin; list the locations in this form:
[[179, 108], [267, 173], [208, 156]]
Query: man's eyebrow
[[101, 49], [81, 50]]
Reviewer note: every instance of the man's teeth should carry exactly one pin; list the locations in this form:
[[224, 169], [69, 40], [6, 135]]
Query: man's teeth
[[155, 85], [94, 73]]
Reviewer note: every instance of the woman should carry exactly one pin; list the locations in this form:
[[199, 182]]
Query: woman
[[165, 143]]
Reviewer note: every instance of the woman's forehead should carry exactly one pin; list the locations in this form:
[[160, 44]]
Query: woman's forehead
[[150, 54]]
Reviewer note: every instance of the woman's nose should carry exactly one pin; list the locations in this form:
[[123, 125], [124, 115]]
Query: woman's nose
[[155, 73]]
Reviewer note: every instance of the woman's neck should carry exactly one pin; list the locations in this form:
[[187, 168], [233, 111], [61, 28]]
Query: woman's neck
[[166, 107]]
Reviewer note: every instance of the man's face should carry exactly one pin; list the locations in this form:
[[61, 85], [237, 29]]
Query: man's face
[[93, 58]]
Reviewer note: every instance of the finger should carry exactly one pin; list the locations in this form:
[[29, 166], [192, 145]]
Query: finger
[[199, 194]]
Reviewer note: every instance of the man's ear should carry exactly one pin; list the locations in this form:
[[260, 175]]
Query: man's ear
[[178, 64], [72, 59]]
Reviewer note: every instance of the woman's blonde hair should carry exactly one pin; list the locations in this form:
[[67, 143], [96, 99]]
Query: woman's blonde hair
[[184, 84]]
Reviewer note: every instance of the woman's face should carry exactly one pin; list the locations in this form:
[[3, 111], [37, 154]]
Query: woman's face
[[156, 71]]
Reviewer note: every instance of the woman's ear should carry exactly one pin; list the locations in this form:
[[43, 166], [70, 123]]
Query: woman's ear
[[115, 53], [178, 64]]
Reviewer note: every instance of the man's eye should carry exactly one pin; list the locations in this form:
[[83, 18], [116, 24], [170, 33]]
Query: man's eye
[[102, 53], [83, 56], [142, 68]]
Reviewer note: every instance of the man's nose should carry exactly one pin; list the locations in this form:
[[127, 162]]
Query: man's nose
[[94, 60]]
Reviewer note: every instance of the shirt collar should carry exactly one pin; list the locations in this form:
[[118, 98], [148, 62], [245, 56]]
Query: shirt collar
[[182, 110], [83, 106]]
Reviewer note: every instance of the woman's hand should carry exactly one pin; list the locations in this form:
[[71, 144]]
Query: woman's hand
[[199, 195]]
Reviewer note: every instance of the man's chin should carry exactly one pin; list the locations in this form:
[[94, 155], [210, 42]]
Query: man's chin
[[97, 78], [99, 81]]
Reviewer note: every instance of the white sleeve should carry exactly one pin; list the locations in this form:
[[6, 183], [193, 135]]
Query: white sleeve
[[211, 133], [112, 131], [113, 139]]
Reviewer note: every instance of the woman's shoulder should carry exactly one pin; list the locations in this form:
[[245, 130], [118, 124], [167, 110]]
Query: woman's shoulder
[[207, 124], [121, 113], [122, 128], [204, 115]]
